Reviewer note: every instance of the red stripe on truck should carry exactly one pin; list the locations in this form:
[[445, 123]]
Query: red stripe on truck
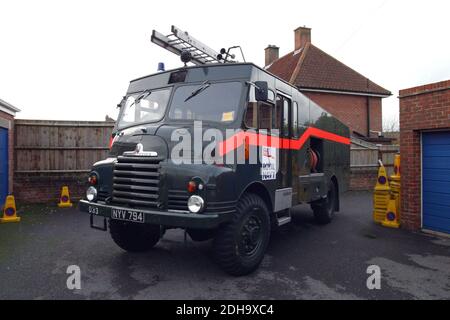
[[257, 139]]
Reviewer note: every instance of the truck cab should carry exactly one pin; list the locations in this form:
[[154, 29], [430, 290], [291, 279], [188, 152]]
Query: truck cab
[[224, 151]]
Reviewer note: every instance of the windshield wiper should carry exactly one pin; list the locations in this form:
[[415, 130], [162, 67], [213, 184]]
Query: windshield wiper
[[144, 95], [200, 89]]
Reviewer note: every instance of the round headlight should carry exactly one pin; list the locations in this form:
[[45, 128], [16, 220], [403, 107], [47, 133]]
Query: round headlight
[[195, 204], [91, 194]]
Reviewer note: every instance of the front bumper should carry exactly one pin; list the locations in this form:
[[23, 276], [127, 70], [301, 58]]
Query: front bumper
[[164, 218]]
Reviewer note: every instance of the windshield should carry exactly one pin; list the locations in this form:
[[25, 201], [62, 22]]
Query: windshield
[[217, 102], [147, 106]]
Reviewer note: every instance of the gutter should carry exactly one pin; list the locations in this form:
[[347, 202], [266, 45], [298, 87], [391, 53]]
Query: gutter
[[8, 108], [347, 92]]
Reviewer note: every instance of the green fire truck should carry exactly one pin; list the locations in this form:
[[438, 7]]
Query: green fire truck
[[222, 150]]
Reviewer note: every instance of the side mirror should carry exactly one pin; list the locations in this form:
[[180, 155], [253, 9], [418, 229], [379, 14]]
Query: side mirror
[[261, 90], [121, 102]]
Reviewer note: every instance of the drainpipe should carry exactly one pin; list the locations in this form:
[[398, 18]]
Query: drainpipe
[[368, 109], [368, 115]]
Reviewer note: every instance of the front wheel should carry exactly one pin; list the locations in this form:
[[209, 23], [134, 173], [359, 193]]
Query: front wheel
[[325, 209], [134, 237], [240, 245]]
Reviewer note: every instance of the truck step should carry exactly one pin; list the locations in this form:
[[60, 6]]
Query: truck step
[[283, 217], [283, 220]]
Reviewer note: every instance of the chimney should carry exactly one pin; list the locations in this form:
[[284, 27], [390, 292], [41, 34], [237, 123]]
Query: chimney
[[272, 53], [302, 37]]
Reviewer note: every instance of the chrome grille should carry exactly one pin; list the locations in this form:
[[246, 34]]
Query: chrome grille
[[136, 181], [177, 200], [102, 195]]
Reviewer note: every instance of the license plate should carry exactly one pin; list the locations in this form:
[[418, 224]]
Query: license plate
[[93, 210], [127, 215]]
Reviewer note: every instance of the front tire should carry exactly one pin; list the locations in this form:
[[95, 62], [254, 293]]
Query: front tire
[[324, 210], [134, 237], [240, 245]]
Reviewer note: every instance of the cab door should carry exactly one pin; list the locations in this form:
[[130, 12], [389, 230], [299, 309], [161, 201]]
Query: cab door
[[284, 119]]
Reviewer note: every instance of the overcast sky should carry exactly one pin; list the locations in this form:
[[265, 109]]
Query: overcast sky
[[73, 60]]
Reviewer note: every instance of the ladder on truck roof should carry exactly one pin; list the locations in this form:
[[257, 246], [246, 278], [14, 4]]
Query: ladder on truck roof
[[180, 41]]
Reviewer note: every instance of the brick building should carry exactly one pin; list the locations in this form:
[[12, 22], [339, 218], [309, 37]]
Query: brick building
[[425, 162], [7, 114], [345, 93]]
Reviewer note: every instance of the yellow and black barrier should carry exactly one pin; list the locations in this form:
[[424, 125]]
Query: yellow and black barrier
[[9, 211], [392, 217], [381, 195]]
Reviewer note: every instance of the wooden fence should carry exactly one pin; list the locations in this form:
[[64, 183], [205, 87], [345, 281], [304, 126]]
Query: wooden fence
[[59, 146], [366, 155], [50, 154], [56, 153], [364, 164]]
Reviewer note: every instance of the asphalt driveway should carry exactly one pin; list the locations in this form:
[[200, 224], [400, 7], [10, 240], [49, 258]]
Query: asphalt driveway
[[304, 261]]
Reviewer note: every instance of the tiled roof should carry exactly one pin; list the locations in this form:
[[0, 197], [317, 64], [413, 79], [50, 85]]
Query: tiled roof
[[312, 68]]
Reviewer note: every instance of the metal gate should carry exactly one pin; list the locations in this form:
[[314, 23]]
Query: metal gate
[[3, 165], [436, 181]]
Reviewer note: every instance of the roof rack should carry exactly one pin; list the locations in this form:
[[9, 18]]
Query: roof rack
[[180, 43]]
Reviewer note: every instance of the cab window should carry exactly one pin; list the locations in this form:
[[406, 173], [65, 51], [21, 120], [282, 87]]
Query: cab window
[[218, 102], [266, 111], [285, 118], [278, 113], [259, 115], [145, 107], [251, 115], [295, 129]]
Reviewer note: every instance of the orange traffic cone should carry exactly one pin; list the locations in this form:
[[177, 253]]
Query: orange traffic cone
[[64, 199], [9, 212]]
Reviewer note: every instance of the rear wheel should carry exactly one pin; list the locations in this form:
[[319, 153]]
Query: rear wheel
[[134, 237], [240, 245], [324, 209]]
